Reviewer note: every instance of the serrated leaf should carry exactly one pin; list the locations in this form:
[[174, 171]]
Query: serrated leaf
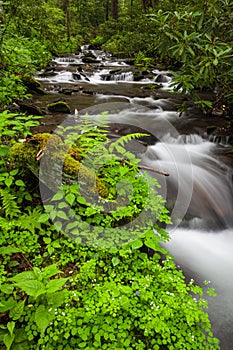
[[17, 311], [42, 318], [14, 172], [56, 299], [7, 305], [6, 288], [58, 225], [55, 285], [23, 276], [81, 200], [33, 288], [151, 244]]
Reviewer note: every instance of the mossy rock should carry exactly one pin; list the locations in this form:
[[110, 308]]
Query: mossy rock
[[29, 108], [59, 107], [56, 152]]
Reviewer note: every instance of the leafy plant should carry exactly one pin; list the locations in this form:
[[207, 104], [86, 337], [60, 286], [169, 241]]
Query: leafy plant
[[40, 293]]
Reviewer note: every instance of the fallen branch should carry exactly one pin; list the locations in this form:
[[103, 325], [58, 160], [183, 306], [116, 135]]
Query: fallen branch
[[155, 171]]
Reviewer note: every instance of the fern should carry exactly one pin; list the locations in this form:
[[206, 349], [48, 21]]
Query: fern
[[9, 205], [119, 144], [29, 221]]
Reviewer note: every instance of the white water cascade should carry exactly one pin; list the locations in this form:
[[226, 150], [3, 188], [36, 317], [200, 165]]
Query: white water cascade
[[203, 243], [199, 188]]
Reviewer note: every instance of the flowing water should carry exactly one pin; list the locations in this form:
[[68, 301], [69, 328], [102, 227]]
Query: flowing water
[[199, 188]]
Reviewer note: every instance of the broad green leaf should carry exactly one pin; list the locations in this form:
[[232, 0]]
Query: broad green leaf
[[9, 181], [62, 215], [8, 340], [43, 218], [58, 196], [50, 271], [17, 311], [20, 183], [7, 305], [137, 244], [23, 276], [70, 197], [56, 299], [8, 250], [32, 287], [42, 318], [55, 285], [11, 327]]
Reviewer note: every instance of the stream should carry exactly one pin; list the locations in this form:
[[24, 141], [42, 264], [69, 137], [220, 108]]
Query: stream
[[189, 146]]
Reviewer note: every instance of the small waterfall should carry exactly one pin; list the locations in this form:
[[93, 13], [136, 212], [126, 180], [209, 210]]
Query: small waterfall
[[202, 244], [199, 186], [220, 139], [124, 76], [67, 61]]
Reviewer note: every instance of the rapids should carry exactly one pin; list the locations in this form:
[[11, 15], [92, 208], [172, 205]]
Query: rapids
[[199, 189]]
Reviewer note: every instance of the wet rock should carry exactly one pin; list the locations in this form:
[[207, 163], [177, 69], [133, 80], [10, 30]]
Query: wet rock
[[29, 108], [123, 129], [161, 78], [80, 76], [60, 106], [33, 86], [89, 59]]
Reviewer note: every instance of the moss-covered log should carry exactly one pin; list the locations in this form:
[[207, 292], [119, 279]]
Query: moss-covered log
[[55, 151]]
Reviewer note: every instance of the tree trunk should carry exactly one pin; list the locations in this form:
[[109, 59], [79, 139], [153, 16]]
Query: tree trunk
[[2, 17], [107, 10], [115, 8], [131, 8], [147, 4], [67, 12]]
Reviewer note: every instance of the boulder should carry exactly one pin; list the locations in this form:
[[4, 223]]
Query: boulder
[[33, 86], [59, 107], [29, 108]]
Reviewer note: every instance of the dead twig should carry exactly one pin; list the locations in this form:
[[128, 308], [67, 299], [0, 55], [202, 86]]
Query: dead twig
[[155, 171]]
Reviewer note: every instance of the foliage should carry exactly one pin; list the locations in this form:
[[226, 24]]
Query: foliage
[[21, 57], [193, 37], [58, 293]]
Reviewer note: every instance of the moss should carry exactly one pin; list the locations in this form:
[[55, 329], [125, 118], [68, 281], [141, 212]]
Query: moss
[[23, 153], [75, 153], [56, 152], [59, 106]]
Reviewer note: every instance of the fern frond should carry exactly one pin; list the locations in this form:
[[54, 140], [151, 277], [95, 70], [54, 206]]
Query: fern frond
[[8, 204], [120, 143], [29, 221]]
